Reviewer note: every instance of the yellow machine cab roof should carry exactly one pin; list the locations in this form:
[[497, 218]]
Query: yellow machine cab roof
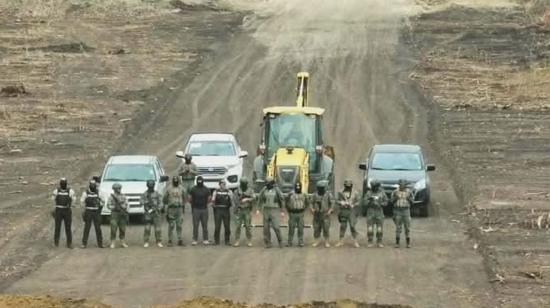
[[294, 109]]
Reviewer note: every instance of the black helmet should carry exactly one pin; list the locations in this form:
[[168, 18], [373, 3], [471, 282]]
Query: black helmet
[[92, 186], [63, 183], [150, 184]]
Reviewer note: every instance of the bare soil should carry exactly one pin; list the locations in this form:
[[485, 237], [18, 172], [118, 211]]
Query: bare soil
[[467, 82], [485, 70]]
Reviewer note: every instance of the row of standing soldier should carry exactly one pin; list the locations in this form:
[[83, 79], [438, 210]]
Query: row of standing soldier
[[271, 201]]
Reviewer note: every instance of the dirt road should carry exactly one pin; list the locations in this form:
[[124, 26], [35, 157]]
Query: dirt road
[[359, 69]]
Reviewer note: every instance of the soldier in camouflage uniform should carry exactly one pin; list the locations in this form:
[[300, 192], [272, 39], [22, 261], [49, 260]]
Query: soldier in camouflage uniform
[[244, 200], [347, 201], [296, 203], [119, 215], [321, 205], [188, 171], [270, 202], [152, 205], [375, 200], [402, 199], [174, 199]]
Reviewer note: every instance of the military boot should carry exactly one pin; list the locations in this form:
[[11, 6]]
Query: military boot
[[327, 244], [315, 244], [237, 244], [180, 243], [249, 244], [370, 244], [159, 245], [340, 243], [408, 242], [146, 244], [124, 245], [356, 244], [397, 242]]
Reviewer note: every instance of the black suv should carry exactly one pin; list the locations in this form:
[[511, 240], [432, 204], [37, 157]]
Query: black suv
[[387, 163]]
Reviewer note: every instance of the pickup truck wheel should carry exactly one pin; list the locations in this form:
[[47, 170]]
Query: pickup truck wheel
[[424, 210]]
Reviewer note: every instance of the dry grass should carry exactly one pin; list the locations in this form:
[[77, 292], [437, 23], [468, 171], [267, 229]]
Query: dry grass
[[58, 8]]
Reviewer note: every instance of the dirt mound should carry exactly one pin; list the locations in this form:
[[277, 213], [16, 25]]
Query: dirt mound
[[203, 302], [47, 301]]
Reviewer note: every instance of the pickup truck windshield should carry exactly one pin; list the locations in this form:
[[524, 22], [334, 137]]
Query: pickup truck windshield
[[129, 173], [211, 148], [397, 161]]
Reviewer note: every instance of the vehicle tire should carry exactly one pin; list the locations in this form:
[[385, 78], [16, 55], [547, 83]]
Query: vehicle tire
[[424, 210]]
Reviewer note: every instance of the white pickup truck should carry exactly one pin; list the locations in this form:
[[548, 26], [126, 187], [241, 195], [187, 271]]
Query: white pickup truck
[[218, 157], [132, 172]]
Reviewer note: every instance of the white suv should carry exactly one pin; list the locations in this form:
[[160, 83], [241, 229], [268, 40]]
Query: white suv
[[132, 172], [218, 157]]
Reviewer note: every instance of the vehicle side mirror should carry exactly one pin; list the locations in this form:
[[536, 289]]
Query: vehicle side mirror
[[430, 168], [363, 166], [96, 178], [164, 178], [243, 154], [179, 154]]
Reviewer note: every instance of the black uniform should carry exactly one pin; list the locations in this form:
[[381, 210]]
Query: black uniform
[[63, 201], [199, 202], [92, 215], [223, 199]]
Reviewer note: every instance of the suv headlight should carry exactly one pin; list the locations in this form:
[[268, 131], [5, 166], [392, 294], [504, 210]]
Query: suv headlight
[[420, 184]]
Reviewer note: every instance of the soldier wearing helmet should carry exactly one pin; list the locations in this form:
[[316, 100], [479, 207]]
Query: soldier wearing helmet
[[259, 168], [271, 201], [402, 199], [118, 204], [174, 199], [244, 200], [375, 200], [188, 171], [152, 205], [64, 198], [347, 201], [93, 204], [296, 204], [321, 205]]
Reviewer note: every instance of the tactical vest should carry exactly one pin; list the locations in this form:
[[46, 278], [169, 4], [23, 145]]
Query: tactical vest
[[63, 198], [92, 200], [297, 202], [223, 199], [271, 200], [402, 198], [175, 196], [151, 200], [244, 195]]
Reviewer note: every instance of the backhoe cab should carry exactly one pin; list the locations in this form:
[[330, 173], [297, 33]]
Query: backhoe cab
[[294, 145]]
